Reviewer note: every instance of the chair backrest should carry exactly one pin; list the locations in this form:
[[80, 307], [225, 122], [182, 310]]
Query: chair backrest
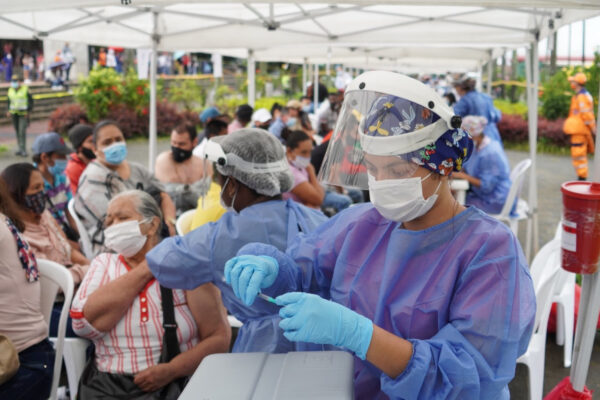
[[517, 177], [84, 239], [184, 222], [53, 277], [545, 270]]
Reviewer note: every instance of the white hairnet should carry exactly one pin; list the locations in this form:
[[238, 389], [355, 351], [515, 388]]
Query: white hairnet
[[257, 159]]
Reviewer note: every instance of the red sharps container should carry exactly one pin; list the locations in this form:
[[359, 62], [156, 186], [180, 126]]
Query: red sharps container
[[580, 226]]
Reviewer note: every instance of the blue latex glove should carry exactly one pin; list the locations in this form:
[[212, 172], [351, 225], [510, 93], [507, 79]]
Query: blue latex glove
[[310, 318], [248, 274]]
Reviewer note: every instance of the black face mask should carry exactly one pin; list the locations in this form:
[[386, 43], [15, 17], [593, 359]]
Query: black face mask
[[180, 155], [36, 202], [87, 153]]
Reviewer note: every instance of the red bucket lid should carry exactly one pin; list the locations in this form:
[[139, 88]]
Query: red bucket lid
[[581, 190]]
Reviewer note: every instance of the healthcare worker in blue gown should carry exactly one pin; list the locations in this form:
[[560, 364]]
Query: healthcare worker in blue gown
[[473, 102], [253, 173], [434, 299], [487, 170]]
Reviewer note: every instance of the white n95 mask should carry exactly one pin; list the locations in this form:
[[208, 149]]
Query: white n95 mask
[[125, 238], [401, 200]]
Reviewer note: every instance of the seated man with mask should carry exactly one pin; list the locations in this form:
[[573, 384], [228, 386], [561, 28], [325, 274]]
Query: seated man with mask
[[253, 173], [182, 173]]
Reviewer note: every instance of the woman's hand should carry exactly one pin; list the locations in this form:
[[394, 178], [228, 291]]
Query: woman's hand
[[153, 378], [310, 318]]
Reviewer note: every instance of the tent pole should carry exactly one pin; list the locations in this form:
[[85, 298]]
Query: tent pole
[[316, 88], [532, 76], [489, 75], [251, 78], [152, 113], [479, 77], [533, 192], [304, 75]]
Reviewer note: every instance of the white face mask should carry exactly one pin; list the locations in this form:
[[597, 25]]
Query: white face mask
[[125, 238], [301, 162], [225, 206], [401, 200]]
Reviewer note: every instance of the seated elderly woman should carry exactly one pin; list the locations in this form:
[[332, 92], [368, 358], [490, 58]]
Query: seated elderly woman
[[119, 306], [110, 173], [21, 318], [42, 232], [487, 170]]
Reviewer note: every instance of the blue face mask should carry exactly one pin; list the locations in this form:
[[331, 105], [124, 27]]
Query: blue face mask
[[15, 85], [291, 122], [115, 153], [58, 168]]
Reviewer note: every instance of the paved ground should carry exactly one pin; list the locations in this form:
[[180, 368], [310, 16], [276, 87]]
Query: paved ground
[[551, 172]]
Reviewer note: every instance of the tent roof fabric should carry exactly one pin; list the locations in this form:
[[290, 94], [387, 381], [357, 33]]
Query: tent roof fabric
[[383, 33]]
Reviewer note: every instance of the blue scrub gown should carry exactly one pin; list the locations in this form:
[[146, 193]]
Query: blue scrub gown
[[476, 103], [489, 164], [459, 291], [186, 262]]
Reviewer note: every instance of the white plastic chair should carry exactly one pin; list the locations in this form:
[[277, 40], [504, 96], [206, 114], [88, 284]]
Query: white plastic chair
[[564, 297], [84, 239], [234, 322], [544, 272], [53, 277], [517, 177], [184, 222], [74, 355]]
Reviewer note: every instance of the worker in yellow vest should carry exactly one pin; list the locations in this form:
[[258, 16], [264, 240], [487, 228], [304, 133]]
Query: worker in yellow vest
[[580, 125], [20, 104]]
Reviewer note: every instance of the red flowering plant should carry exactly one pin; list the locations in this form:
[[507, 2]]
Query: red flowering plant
[[136, 92], [100, 91]]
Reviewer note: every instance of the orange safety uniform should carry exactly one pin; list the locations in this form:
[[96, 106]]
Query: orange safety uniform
[[580, 126]]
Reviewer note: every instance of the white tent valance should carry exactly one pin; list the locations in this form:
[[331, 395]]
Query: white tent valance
[[205, 25]]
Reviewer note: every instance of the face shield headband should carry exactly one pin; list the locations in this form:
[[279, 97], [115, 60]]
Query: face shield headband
[[214, 152]]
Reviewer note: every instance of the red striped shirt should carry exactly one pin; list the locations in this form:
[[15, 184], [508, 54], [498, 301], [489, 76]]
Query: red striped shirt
[[135, 342]]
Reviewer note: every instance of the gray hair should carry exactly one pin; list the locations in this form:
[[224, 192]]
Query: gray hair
[[144, 204]]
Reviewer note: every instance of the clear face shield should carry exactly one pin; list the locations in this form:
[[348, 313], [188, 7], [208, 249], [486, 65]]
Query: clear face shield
[[382, 134]]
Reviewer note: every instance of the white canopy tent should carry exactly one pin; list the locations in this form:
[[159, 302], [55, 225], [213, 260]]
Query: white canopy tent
[[392, 34]]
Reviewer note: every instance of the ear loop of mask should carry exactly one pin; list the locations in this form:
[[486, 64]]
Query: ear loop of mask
[[232, 206]]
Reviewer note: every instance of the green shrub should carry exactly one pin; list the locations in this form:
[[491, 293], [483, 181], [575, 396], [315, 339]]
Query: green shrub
[[188, 94], [508, 108], [102, 89], [556, 96], [267, 102]]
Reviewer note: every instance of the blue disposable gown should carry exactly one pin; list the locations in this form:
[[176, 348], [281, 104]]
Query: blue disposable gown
[[489, 164], [186, 262], [459, 291], [476, 103]]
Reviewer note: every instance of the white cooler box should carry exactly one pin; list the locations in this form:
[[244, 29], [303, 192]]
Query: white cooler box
[[256, 376]]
